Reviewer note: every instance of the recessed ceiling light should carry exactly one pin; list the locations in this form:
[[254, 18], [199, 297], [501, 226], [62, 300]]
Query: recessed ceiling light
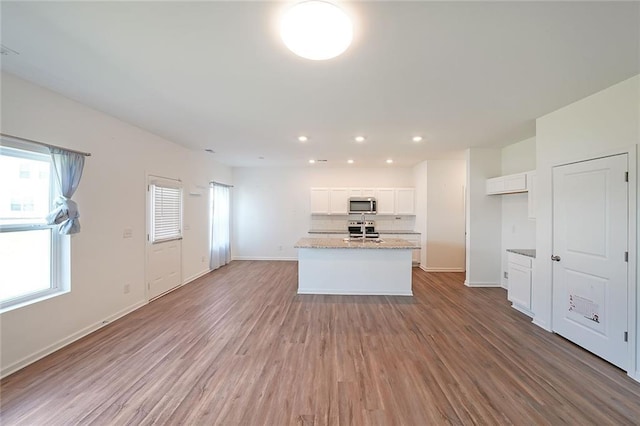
[[359, 138], [389, 161], [312, 161], [303, 138], [417, 138], [316, 30], [350, 161]]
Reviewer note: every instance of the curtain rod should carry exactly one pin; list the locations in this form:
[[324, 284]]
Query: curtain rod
[[48, 145], [221, 184]]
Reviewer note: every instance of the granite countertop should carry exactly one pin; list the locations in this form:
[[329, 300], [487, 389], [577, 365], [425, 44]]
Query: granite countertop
[[340, 243], [524, 252]]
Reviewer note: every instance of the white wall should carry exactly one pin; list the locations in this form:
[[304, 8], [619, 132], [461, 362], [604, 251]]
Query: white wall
[[517, 230], [483, 219], [420, 176], [604, 123], [111, 197], [445, 242], [271, 206]]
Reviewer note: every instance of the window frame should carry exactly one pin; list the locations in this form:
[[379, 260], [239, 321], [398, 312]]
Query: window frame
[[59, 250], [157, 182]]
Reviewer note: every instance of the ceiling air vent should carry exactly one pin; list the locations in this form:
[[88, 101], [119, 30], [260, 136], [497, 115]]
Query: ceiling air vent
[[321, 161], [5, 51]]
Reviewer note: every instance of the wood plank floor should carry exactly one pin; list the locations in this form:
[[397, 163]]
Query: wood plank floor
[[239, 347]]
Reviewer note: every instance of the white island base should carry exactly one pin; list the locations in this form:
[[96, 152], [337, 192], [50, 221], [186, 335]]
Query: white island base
[[355, 271]]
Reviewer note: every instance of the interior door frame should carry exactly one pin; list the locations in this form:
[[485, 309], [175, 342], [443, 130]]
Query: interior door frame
[[632, 285]]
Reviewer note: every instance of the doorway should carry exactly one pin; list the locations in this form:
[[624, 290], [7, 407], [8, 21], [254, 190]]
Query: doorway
[[164, 236]]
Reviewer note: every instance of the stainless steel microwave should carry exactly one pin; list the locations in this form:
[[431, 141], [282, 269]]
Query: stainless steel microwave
[[366, 205]]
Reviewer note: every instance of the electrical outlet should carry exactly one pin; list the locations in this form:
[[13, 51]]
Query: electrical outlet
[[506, 275], [127, 288]]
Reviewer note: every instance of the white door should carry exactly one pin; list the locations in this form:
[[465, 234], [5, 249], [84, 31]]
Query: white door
[[590, 238], [164, 236], [163, 267]]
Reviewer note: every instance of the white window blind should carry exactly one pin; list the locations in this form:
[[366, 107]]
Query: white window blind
[[166, 212]]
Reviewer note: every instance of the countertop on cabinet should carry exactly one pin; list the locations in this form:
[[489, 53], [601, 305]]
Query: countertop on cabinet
[[340, 243], [524, 252]]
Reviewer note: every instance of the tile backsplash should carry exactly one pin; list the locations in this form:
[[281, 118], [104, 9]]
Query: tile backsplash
[[383, 223]]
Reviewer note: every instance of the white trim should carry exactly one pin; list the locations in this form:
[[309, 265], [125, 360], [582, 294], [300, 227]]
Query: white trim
[[432, 269], [543, 325], [263, 258], [196, 276], [481, 284], [342, 292], [522, 310], [29, 359], [632, 277]]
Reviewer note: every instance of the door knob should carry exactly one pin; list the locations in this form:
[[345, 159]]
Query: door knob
[[555, 258]]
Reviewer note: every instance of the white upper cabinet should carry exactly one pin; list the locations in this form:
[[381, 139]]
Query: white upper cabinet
[[507, 184], [338, 201], [362, 192], [329, 201], [531, 184], [319, 200], [335, 201], [405, 201], [386, 198]]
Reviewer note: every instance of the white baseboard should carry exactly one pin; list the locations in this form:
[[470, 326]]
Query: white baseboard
[[433, 269], [352, 293], [30, 359], [196, 276], [635, 376], [481, 284], [523, 310], [263, 258], [542, 325]]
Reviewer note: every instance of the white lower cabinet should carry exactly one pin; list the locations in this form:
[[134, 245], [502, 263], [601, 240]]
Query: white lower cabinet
[[412, 238], [520, 270]]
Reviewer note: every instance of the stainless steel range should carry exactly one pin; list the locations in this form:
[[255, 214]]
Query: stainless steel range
[[358, 228]]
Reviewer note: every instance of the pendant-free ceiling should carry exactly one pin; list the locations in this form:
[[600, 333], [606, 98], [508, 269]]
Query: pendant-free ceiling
[[316, 30]]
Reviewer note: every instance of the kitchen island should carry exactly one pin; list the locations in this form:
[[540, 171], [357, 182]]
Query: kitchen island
[[343, 266]]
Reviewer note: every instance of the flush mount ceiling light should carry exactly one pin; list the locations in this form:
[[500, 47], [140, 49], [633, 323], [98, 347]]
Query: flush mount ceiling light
[[350, 161], [316, 30], [417, 138], [303, 138], [359, 138], [389, 161], [312, 161]]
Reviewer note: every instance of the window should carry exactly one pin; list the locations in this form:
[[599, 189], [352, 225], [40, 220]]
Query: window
[[30, 250], [166, 210]]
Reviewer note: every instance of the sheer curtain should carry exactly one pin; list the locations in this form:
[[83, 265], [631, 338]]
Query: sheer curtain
[[68, 168], [220, 225]]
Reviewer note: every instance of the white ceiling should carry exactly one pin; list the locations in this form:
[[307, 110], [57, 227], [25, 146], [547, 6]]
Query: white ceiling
[[216, 75]]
